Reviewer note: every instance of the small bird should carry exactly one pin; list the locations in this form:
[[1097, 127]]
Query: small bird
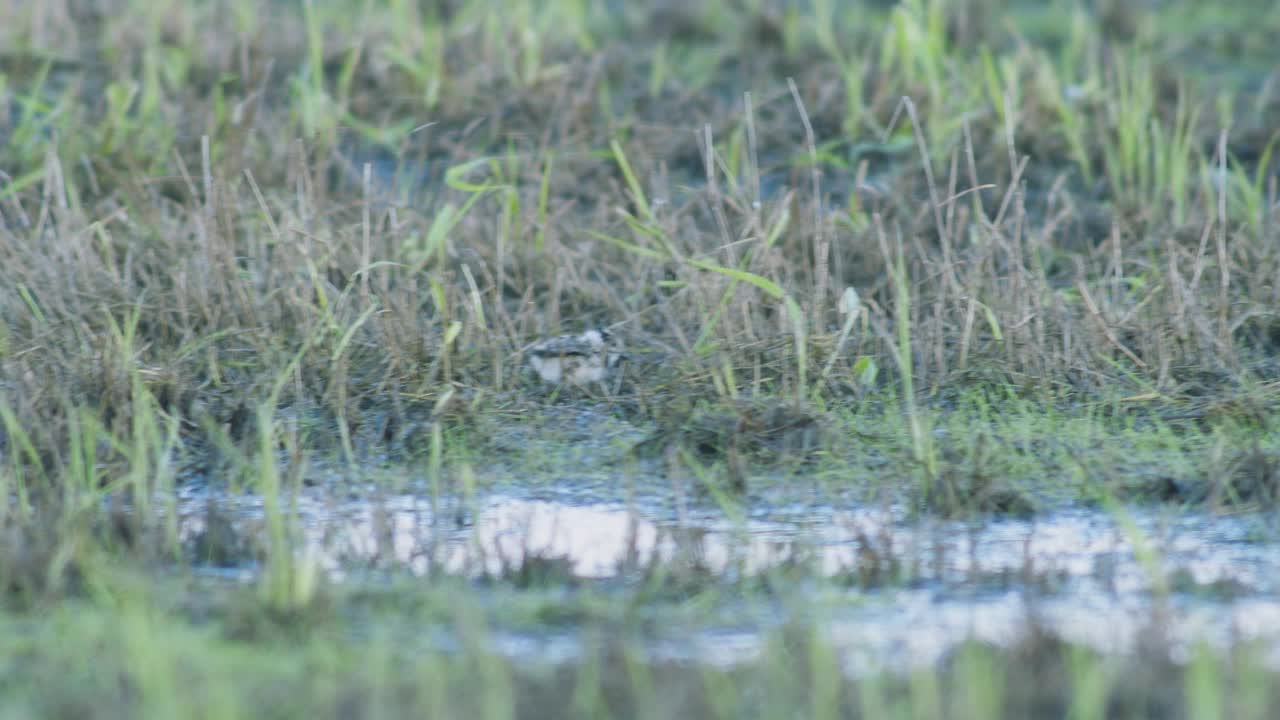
[[578, 359]]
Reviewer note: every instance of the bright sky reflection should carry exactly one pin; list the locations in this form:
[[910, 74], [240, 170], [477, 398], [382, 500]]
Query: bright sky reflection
[[964, 580]]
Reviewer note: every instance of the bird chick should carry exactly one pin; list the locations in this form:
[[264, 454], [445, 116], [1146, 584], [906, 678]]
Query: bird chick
[[578, 359]]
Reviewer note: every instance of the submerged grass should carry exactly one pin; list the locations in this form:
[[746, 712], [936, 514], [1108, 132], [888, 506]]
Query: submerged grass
[[971, 256]]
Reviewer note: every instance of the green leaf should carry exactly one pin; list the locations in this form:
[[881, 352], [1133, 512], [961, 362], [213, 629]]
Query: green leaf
[[455, 328], [765, 284], [865, 370], [453, 176], [21, 183], [632, 183], [629, 247], [993, 323]]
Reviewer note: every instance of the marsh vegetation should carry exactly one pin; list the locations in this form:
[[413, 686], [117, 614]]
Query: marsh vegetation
[[952, 359]]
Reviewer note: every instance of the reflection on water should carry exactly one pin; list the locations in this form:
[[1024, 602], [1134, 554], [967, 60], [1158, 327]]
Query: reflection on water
[[906, 590]]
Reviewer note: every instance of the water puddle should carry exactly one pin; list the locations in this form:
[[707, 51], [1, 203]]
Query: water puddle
[[897, 590]]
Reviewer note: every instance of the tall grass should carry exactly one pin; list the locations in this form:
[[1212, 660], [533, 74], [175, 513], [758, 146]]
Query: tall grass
[[274, 237]]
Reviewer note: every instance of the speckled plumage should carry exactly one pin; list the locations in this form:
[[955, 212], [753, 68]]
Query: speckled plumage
[[578, 359]]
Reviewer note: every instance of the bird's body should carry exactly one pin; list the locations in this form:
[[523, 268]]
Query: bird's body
[[578, 359]]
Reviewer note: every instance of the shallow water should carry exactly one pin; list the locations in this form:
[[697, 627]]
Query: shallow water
[[895, 591]]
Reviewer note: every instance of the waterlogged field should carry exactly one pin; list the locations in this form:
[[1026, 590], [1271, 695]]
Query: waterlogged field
[[947, 344]]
